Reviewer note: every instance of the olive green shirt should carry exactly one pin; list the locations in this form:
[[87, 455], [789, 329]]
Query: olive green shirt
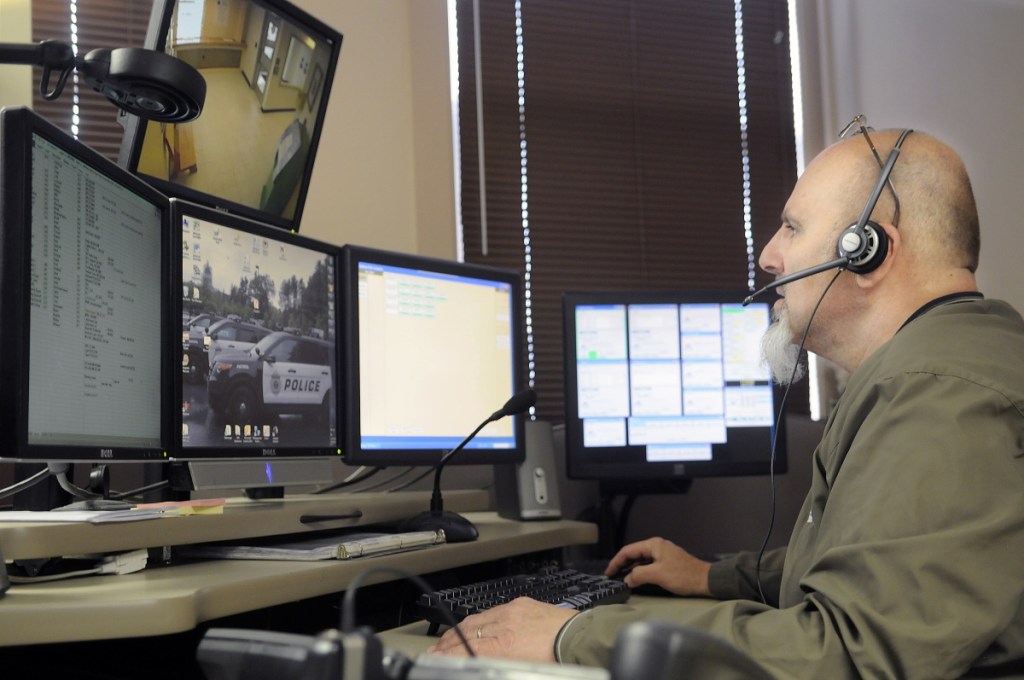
[[907, 559]]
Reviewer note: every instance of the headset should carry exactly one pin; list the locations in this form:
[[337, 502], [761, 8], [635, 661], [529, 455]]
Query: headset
[[862, 246]]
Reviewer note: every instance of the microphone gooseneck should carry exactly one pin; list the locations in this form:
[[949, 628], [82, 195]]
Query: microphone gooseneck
[[456, 527], [838, 263]]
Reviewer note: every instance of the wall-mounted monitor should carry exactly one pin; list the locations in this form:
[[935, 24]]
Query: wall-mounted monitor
[[84, 302], [269, 67], [432, 348], [665, 386]]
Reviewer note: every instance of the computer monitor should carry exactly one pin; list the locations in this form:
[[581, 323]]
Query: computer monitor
[[269, 67], [432, 348], [257, 346], [665, 386], [83, 299]]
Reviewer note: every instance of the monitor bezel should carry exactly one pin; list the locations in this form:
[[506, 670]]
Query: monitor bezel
[[355, 454], [17, 128], [580, 463], [179, 452], [135, 128]]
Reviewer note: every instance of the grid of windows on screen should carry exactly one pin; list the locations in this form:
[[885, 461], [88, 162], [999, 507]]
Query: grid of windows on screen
[[660, 382], [432, 352], [84, 291], [258, 338]]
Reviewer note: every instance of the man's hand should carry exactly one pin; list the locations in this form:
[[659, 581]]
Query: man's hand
[[662, 563], [523, 629]]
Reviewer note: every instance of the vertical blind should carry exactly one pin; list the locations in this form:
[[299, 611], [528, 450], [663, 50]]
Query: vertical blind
[[92, 24], [628, 144]]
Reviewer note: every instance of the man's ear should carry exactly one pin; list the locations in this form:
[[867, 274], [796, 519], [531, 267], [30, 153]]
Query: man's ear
[[874, 277]]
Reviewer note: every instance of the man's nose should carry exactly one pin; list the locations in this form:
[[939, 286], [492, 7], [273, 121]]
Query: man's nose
[[771, 256]]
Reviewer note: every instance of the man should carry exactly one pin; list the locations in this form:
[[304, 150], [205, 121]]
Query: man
[[906, 559]]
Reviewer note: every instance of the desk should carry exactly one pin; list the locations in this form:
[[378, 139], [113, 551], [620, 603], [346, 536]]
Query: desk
[[412, 639], [173, 599], [242, 518]]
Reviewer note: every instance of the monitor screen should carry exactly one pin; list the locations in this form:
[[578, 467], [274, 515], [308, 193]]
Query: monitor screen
[[432, 348], [258, 339], [667, 385], [84, 301], [268, 68]]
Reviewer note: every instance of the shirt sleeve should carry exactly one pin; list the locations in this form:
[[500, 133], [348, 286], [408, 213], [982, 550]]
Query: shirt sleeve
[[737, 577], [910, 569]]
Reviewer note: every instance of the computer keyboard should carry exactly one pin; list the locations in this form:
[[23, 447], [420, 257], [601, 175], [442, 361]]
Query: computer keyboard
[[563, 587]]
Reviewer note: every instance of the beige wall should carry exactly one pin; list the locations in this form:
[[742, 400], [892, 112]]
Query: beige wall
[[952, 76], [15, 27], [384, 170]]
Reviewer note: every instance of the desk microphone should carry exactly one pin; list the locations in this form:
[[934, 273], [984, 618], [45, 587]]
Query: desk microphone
[[458, 529], [838, 263]]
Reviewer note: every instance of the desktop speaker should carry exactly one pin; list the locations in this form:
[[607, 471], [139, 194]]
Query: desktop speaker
[[529, 490], [5, 582]]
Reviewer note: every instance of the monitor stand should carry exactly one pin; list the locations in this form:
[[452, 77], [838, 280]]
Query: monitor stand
[[612, 524]]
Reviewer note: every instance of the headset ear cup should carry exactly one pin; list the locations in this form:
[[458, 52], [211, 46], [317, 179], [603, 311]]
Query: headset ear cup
[[865, 249]]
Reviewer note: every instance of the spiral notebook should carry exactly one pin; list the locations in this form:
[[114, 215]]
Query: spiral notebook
[[335, 547]]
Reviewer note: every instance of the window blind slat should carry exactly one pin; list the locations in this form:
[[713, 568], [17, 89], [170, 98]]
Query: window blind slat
[[633, 148], [105, 24]]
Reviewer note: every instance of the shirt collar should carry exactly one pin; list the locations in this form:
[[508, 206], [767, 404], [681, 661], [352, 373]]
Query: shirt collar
[[944, 300]]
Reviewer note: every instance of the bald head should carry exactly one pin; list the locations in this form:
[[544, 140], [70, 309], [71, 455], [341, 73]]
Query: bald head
[[933, 243], [937, 214]]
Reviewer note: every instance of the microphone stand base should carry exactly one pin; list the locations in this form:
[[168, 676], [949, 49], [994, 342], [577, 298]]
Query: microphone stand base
[[457, 529]]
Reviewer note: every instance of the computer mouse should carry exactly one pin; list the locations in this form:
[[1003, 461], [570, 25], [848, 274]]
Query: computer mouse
[[621, 574]]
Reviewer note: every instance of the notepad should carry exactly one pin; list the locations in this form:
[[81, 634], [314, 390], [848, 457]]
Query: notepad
[[82, 516], [143, 511], [335, 547]]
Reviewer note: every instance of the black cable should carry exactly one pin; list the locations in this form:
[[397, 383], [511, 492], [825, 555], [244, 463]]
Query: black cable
[[348, 602], [775, 435], [385, 482], [24, 484], [155, 486], [429, 470], [349, 482]]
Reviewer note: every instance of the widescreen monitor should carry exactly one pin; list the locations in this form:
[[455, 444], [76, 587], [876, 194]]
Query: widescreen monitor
[[666, 386], [84, 303], [432, 348], [257, 342], [269, 67]]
